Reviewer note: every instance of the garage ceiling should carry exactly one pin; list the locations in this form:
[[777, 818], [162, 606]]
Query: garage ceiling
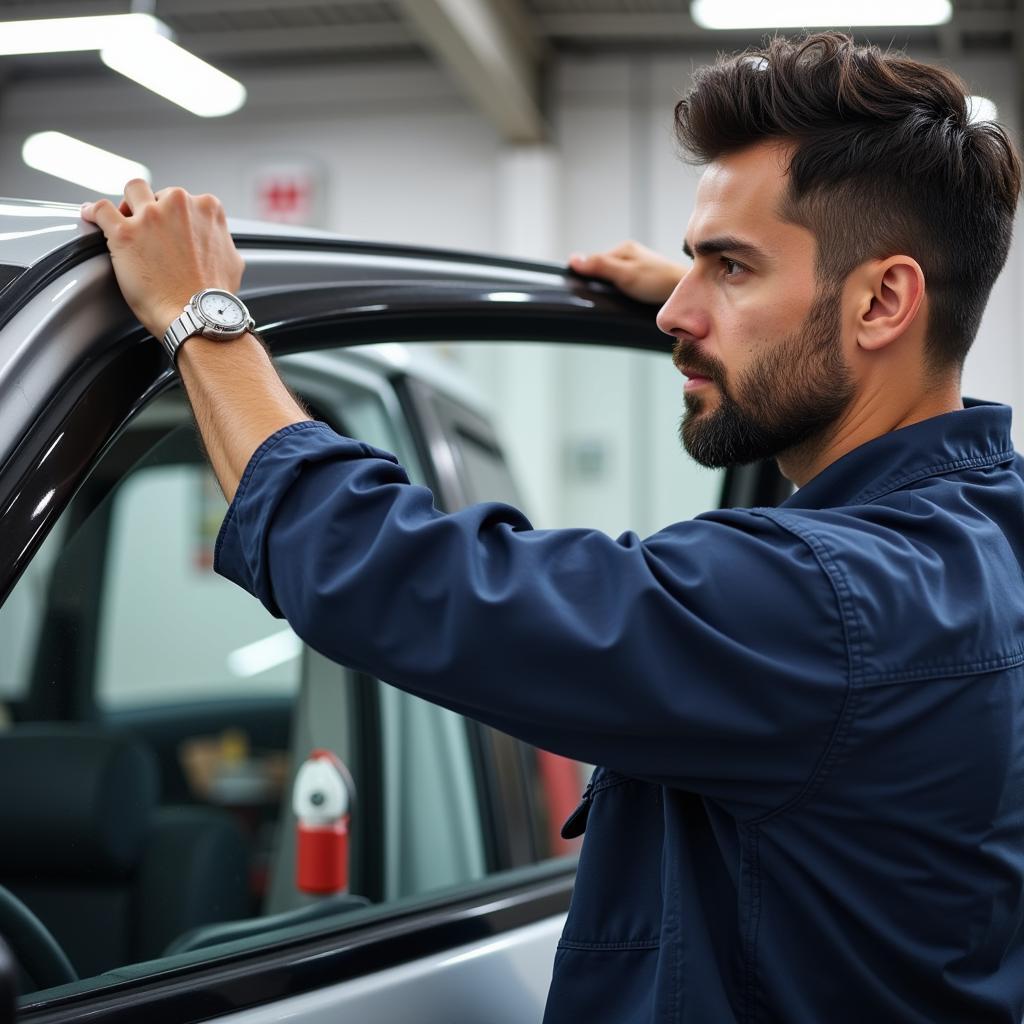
[[279, 29], [496, 49]]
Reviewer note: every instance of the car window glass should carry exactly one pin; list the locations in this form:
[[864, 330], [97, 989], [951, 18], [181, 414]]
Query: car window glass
[[610, 445], [21, 619], [430, 798], [155, 595], [428, 785], [120, 626], [124, 632], [591, 433]]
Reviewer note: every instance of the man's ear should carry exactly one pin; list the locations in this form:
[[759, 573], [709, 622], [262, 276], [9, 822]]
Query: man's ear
[[892, 296]]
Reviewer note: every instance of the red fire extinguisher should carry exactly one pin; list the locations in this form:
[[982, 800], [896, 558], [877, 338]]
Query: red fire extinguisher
[[322, 801]]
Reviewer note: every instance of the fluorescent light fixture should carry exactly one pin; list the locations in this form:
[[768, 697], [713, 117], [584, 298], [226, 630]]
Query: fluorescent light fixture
[[739, 14], [73, 160], [179, 76], [59, 35], [262, 655], [980, 108], [138, 46]]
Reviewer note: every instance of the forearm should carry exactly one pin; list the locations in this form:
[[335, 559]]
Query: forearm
[[239, 400]]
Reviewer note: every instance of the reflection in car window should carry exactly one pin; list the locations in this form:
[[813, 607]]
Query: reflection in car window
[[486, 474], [156, 594], [592, 433], [21, 619], [119, 626], [127, 636]]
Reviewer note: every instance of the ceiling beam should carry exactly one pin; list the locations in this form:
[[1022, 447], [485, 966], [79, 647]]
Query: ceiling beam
[[174, 7], [294, 42], [161, 8], [481, 42]]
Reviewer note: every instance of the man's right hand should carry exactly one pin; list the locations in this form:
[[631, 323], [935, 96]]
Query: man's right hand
[[634, 269]]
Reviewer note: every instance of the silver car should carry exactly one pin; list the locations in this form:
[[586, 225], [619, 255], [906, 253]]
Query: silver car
[[155, 721]]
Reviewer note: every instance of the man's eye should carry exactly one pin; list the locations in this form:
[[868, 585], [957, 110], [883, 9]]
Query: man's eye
[[731, 266]]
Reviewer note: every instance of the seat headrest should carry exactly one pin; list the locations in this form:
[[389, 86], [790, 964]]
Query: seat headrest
[[73, 801]]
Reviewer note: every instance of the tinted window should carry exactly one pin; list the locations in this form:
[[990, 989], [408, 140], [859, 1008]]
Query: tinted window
[[119, 627]]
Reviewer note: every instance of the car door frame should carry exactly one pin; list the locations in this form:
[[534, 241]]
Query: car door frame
[[401, 295]]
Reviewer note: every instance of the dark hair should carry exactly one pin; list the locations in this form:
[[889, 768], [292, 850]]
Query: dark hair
[[887, 161]]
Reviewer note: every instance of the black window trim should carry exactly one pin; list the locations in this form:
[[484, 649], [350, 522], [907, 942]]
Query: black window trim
[[202, 991]]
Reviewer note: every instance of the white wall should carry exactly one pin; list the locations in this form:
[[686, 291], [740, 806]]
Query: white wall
[[408, 160]]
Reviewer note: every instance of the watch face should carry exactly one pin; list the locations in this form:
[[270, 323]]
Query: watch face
[[221, 309]]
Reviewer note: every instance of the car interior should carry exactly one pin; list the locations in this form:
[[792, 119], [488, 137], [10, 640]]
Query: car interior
[[156, 714]]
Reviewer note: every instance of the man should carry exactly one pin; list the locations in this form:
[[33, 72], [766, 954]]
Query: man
[[811, 718]]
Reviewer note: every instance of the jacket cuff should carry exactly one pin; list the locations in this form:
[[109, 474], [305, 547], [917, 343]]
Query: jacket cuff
[[240, 550]]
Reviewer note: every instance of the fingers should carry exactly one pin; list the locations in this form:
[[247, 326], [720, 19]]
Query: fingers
[[606, 264], [103, 214], [640, 272], [137, 194], [602, 264]]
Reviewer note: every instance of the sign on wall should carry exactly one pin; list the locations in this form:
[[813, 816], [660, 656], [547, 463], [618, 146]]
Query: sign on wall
[[290, 192]]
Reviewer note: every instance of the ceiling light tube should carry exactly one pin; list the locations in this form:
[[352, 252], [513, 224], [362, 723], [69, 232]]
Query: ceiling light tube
[[60, 35], [743, 14], [73, 160], [179, 76]]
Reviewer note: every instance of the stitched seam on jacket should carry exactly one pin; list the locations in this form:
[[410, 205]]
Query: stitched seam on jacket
[[828, 757], [619, 780], [851, 636], [922, 474], [631, 944], [967, 668], [671, 931], [749, 1009]]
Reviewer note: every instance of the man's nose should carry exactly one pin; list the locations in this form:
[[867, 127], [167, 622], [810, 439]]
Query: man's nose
[[664, 317], [681, 313]]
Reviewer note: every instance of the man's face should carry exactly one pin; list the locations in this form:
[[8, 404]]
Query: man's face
[[761, 343]]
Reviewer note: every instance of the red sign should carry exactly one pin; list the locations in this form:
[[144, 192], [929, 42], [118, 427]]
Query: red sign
[[288, 195]]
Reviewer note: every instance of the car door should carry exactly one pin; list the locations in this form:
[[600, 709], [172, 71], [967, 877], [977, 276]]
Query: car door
[[441, 930]]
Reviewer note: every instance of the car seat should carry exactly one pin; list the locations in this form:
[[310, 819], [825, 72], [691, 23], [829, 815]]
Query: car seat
[[85, 846]]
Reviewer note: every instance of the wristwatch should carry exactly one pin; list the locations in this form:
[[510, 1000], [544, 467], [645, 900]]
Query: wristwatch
[[213, 313]]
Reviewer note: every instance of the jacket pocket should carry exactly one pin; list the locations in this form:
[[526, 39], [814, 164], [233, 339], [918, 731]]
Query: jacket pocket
[[616, 902]]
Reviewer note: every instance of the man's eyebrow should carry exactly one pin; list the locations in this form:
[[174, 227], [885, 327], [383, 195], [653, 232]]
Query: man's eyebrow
[[726, 243]]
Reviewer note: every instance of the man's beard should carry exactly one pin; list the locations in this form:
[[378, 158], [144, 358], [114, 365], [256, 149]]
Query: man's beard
[[792, 394]]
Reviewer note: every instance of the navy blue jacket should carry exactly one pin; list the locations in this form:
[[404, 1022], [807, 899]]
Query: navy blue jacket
[[811, 718]]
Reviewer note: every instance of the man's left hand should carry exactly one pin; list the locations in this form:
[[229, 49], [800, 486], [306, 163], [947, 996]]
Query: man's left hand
[[165, 247]]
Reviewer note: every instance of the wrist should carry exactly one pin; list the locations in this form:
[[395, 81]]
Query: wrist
[[198, 351], [159, 320]]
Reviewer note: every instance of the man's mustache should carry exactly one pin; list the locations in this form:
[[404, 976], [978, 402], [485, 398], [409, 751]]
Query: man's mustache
[[686, 354]]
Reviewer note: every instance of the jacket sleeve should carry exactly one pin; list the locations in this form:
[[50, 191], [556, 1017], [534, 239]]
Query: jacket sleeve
[[710, 655]]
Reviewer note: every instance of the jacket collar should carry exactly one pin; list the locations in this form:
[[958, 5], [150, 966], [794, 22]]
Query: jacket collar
[[977, 435]]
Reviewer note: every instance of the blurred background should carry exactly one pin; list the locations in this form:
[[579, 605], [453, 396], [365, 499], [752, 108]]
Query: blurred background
[[526, 127]]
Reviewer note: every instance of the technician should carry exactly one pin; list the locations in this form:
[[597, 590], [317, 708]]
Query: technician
[[810, 718]]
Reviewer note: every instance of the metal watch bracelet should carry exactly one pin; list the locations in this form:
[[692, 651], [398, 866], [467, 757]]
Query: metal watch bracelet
[[182, 326]]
